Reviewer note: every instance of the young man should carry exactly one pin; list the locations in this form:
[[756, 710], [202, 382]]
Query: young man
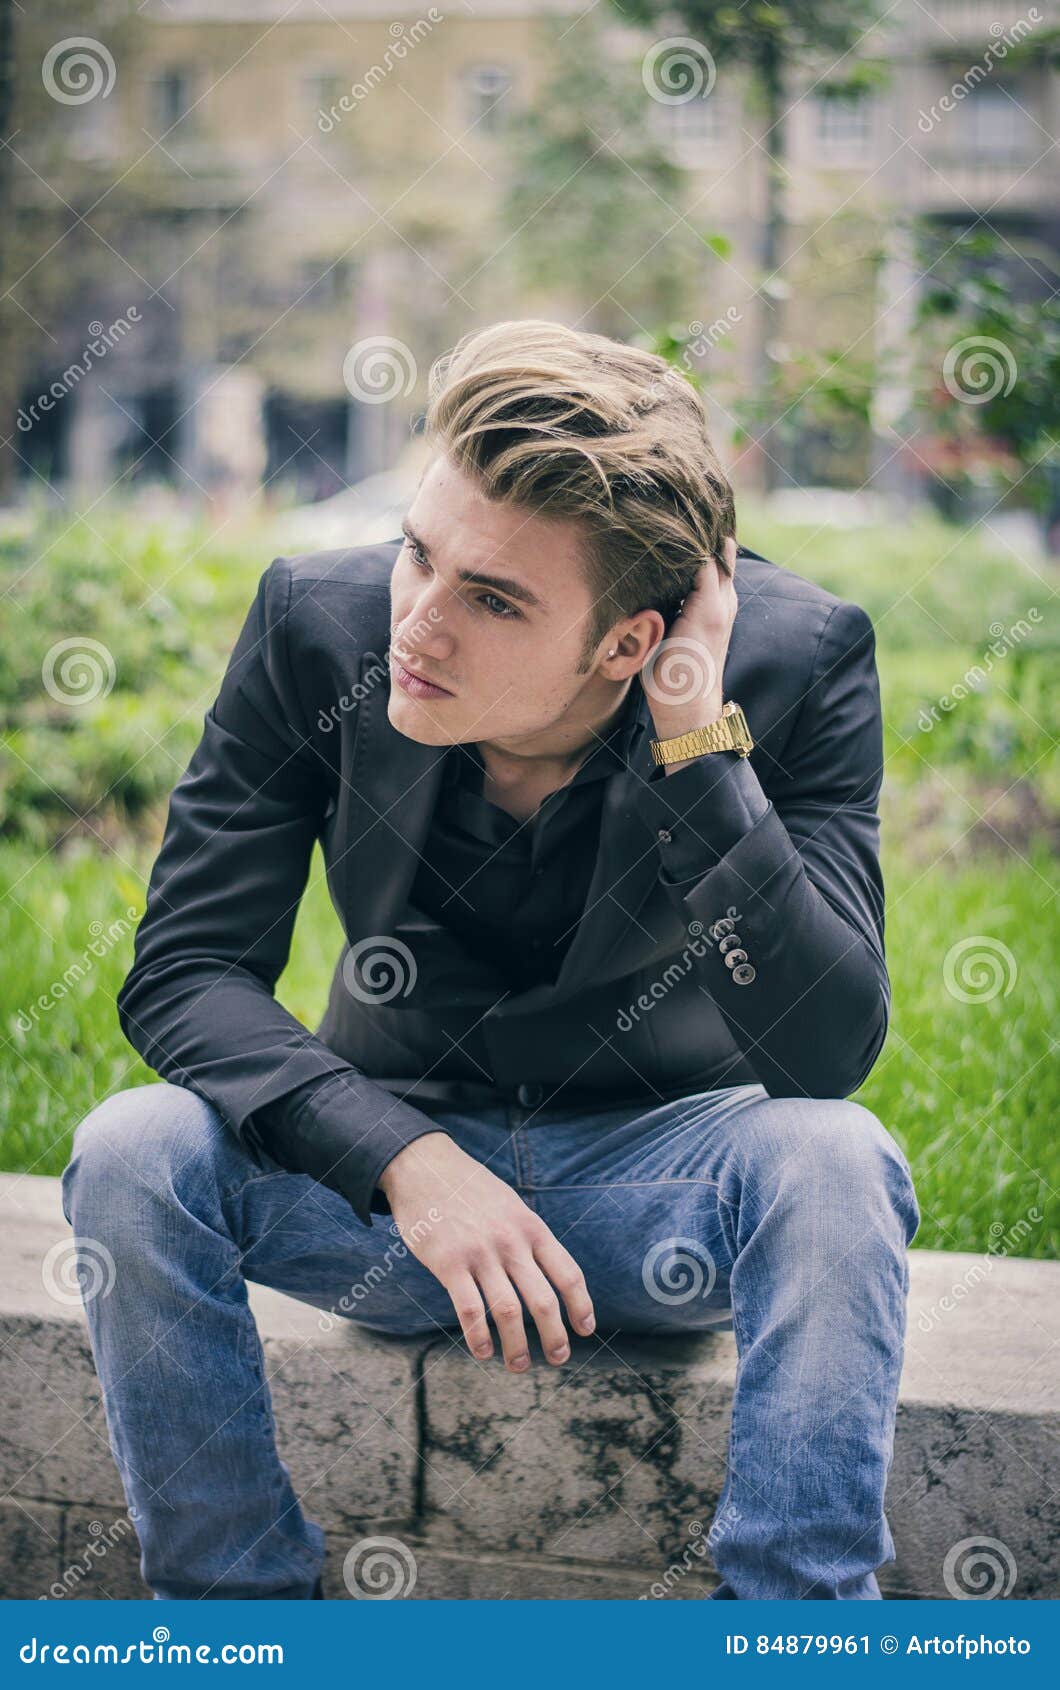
[[608, 981]]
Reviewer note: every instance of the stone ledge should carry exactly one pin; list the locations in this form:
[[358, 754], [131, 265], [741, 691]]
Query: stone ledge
[[582, 1482]]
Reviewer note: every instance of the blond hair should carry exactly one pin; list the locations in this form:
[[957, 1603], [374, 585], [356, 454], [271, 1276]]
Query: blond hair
[[573, 425]]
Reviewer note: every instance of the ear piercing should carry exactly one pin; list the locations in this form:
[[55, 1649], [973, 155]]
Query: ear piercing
[[611, 653]]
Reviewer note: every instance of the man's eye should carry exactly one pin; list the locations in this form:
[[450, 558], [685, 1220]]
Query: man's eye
[[416, 555], [496, 606]]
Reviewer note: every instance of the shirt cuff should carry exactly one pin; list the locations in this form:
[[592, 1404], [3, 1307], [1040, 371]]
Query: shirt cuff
[[342, 1130], [700, 812]]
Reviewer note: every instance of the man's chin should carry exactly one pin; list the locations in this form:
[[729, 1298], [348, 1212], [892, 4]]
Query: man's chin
[[416, 721]]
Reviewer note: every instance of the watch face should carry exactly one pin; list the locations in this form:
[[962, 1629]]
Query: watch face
[[741, 733]]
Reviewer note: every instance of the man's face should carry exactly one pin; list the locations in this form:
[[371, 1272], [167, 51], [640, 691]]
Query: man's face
[[490, 603]]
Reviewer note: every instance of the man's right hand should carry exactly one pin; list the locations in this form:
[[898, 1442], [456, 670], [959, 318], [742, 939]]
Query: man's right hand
[[487, 1248]]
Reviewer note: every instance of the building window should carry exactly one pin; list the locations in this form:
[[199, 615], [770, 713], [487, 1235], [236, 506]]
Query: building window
[[692, 128], [320, 91], [98, 131], [173, 95], [322, 282], [486, 98], [843, 127], [995, 125]]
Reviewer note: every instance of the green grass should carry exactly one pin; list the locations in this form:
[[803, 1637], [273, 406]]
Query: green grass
[[64, 1049], [970, 818], [970, 1088]]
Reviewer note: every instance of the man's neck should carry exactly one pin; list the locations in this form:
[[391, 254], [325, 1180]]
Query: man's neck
[[525, 771]]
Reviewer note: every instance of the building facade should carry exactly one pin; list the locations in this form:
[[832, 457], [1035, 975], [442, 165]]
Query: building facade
[[313, 215]]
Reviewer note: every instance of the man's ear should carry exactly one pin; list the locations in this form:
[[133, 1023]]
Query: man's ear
[[632, 641]]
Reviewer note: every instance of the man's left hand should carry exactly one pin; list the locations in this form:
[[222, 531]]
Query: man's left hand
[[683, 676]]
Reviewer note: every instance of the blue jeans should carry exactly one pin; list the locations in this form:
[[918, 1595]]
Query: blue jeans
[[792, 1215]]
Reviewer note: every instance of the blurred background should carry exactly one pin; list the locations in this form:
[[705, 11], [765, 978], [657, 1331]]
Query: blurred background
[[233, 237]]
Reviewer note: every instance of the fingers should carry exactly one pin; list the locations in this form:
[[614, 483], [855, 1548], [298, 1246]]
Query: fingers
[[518, 1268], [471, 1314], [569, 1281], [544, 1307], [506, 1311], [709, 581], [507, 1291]]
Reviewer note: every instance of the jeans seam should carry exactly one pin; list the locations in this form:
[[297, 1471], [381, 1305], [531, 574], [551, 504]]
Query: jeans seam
[[731, 1455], [525, 1175], [258, 1179]]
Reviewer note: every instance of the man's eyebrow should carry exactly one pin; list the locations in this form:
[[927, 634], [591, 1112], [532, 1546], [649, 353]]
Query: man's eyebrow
[[499, 583]]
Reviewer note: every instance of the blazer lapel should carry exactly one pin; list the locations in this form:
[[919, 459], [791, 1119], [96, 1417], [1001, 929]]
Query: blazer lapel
[[389, 794]]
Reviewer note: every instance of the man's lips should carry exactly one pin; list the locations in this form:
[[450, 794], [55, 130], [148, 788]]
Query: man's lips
[[416, 685]]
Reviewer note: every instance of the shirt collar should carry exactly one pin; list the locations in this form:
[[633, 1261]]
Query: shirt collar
[[620, 742]]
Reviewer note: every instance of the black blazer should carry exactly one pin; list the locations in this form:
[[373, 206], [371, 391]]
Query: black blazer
[[767, 967]]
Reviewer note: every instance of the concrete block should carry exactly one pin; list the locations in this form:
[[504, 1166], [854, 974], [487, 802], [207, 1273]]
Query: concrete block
[[100, 1558], [30, 1548], [972, 1504], [588, 1480], [415, 1569], [617, 1456], [344, 1400], [59, 1450], [346, 1415]]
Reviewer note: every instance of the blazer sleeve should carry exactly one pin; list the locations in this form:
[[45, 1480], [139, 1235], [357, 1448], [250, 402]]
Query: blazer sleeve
[[801, 889], [198, 1003]]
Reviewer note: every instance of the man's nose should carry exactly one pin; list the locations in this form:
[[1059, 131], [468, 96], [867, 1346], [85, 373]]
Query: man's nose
[[424, 631]]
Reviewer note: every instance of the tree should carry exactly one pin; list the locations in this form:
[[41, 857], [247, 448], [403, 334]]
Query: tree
[[592, 199], [770, 39], [8, 381], [990, 405], [62, 222]]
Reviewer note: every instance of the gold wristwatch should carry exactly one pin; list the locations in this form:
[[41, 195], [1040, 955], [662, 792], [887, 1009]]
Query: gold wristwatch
[[729, 733]]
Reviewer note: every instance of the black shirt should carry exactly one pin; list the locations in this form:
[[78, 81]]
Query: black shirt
[[512, 892]]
